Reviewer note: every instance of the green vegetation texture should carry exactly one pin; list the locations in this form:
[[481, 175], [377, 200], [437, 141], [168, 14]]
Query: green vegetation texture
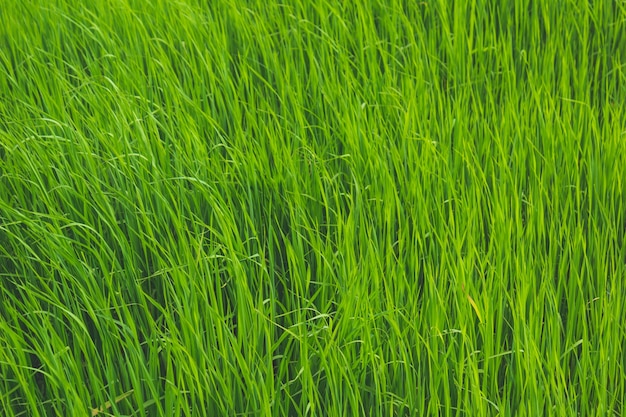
[[312, 208]]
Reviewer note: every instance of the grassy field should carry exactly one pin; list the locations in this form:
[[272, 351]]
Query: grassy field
[[305, 208]]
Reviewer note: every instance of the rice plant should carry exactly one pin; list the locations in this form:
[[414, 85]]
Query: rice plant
[[303, 208]]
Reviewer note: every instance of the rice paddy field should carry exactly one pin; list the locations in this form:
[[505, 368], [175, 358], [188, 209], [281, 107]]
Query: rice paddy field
[[312, 208]]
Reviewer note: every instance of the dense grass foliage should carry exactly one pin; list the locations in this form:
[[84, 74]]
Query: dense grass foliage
[[334, 208]]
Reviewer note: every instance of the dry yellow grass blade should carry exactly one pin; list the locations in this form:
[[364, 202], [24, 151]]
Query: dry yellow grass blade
[[473, 304], [108, 404]]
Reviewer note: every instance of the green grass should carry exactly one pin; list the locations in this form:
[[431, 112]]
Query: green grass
[[303, 208]]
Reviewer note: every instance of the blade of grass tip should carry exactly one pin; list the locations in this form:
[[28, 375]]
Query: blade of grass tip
[[108, 404]]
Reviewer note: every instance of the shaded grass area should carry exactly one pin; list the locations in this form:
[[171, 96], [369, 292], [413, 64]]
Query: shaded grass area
[[292, 208]]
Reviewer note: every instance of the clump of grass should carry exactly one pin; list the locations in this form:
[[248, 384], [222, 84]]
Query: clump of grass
[[253, 208]]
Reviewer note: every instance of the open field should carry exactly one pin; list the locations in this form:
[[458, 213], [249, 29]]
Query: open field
[[304, 208]]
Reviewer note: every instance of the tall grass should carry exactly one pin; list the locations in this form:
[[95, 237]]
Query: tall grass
[[300, 208]]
